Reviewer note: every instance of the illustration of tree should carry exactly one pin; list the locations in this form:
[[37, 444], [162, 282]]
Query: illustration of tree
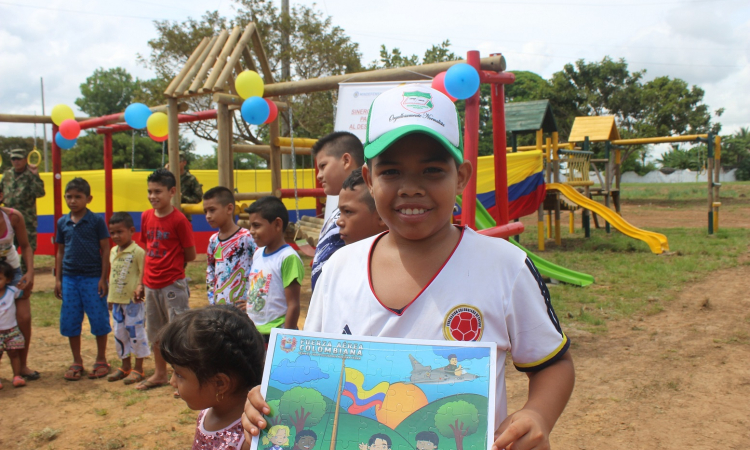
[[457, 420], [275, 417], [302, 406]]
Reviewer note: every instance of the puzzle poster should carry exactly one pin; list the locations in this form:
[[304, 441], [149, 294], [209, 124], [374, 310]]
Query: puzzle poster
[[338, 392]]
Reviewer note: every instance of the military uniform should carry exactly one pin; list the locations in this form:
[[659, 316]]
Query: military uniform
[[192, 191], [20, 191]]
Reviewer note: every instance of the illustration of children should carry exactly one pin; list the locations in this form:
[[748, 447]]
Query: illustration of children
[[278, 435], [305, 440], [427, 440], [453, 368], [378, 441]]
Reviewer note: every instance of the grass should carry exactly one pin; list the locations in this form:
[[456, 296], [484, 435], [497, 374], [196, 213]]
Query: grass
[[45, 309], [681, 192], [630, 280], [45, 435]]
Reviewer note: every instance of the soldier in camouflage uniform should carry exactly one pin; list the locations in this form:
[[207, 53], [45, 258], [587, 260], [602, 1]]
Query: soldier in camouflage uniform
[[21, 186], [19, 189], [192, 191]]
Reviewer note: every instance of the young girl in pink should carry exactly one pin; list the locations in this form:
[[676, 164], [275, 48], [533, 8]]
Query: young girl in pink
[[217, 356]]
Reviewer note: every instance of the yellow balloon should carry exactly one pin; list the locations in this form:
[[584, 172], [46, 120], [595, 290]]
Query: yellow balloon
[[60, 113], [249, 84], [158, 124]]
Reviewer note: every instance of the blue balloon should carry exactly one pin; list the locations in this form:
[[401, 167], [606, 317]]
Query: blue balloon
[[136, 115], [462, 81], [64, 143], [255, 110]]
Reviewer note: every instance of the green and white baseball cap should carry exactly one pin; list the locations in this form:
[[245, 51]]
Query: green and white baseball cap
[[413, 108]]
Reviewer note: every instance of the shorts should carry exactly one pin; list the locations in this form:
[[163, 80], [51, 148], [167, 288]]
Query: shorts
[[130, 330], [163, 305], [81, 294], [11, 339]]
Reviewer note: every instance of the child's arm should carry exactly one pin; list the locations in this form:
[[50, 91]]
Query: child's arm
[[549, 391], [27, 253], [138, 295], [291, 293], [104, 246], [189, 254], [210, 273], [58, 270]]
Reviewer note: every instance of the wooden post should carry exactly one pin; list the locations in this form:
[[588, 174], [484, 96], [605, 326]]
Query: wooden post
[[539, 138], [174, 147], [556, 156], [107, 177], [585, 214], [274, 162], [607, 153], [717, 180], [572, 219], [710, 178], [230, 141], [224, 149], [540, 227]]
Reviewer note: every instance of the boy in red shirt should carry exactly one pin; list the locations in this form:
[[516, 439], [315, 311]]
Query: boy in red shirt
[[168, 238]]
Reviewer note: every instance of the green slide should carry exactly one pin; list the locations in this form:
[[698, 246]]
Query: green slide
[[484, 220]]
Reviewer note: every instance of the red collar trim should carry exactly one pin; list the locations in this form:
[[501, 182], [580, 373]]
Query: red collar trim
[[369, 272]]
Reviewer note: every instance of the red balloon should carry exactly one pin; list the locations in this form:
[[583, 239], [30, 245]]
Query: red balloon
[[70, 129], [273, 111], [158, 139], [438, 83]]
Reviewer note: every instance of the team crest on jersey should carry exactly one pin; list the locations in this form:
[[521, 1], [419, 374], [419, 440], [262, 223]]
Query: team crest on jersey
[[463, 323], [288, 343], [417, 102]]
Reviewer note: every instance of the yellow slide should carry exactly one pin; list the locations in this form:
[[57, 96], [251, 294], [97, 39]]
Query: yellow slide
[[656, 241]]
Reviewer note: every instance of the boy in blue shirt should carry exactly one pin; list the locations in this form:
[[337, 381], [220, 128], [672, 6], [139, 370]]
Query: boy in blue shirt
[[81, 273]]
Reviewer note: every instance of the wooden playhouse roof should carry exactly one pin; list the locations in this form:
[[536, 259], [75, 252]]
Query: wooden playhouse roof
[[524, 117], [217, 60], [597, 128]]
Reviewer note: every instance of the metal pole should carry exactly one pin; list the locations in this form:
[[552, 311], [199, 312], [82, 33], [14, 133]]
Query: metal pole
[[56, 180], [710, 178], [132, 146], [471, 149], [499, 143], [44, 132], [108, 177]]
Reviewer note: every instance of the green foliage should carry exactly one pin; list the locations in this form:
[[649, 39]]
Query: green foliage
[[302, 407], [735, 148], [245, 161], [457, 420], [527, 87], [107, 92], [743, 171], [684, 158], [8, 143]]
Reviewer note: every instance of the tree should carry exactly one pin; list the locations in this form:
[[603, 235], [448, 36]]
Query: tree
[[107, 91], [88, 153], [692, 158], [735, 148], [274, 418], [457, 420], [527, 87], [302, 406], [317, 48]]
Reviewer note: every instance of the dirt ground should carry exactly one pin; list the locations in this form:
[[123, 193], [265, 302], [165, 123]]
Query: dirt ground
[[679, 379]]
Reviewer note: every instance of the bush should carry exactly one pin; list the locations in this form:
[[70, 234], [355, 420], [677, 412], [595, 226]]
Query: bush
[[743, 170]]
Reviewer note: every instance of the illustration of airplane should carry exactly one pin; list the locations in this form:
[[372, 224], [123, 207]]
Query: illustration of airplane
[[421, 374]]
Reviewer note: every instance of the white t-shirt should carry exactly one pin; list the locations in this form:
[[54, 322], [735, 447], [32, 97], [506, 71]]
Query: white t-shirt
[[488, 290], [269, 275], [8, 308]]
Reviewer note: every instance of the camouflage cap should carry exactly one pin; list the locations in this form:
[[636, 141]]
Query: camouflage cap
[[17, 153], [183, 155]]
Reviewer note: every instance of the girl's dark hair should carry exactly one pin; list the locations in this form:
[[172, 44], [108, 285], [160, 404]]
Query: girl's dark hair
[[7, 270], [212, 340]]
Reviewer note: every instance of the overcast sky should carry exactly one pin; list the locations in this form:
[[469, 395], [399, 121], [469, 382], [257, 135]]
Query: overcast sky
[[705, 42]]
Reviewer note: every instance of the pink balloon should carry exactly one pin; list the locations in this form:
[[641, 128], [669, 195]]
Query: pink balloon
[[438, 83], [158, 139], [70, 129], [273, 111]]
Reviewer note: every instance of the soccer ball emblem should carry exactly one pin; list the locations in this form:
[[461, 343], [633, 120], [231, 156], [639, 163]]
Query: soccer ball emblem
[[464, 323]]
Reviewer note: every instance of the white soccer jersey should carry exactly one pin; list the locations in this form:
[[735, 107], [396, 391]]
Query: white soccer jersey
[[488, 290]]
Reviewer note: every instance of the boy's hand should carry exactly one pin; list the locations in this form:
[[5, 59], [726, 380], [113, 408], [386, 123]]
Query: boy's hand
[[27, 281], [525, 430], [138, 294], [58, 289], [109, 306], [252, 419], [103, 287], [241, 305]]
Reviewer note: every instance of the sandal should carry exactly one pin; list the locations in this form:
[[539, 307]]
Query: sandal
[[148, 385], [118, 375], [74, 372], [134, 377], [101, 369], [33, 376], [18, 381]]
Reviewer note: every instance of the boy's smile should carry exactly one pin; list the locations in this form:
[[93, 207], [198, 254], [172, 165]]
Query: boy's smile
[[414, 184]]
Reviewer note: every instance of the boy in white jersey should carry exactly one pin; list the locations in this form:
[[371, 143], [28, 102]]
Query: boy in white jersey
[[230, 251], [277, 270], [337, 155], [427, 279]]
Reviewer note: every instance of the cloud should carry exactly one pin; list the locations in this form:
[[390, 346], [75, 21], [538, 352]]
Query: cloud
[[462, 353], [301, 370]]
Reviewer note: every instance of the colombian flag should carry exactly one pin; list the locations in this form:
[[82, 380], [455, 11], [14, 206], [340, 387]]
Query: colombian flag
[[526, 189], [363, 399]]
